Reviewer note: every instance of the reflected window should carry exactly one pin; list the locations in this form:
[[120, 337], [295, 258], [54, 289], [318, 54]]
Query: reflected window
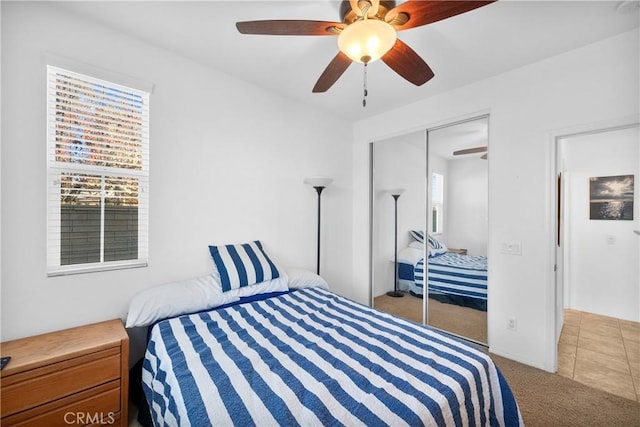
[[437, 203]]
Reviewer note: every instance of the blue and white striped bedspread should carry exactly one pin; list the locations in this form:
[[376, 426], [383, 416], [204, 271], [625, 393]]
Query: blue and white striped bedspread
[[455, 274], [313, 358]]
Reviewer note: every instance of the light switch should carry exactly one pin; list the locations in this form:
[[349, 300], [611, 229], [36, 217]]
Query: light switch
[[511, 248], [611, 240]]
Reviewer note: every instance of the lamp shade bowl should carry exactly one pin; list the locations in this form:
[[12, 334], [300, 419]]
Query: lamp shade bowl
[[318, 181], [367, 40]]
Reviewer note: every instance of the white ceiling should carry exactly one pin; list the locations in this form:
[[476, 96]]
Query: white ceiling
[[443, 141], [476, 45], [470, 134]]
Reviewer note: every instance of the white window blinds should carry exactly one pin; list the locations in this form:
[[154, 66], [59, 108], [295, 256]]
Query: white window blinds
[[98, 174]]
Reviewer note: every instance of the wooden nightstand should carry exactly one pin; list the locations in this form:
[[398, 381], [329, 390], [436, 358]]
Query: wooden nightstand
[[77, 376]]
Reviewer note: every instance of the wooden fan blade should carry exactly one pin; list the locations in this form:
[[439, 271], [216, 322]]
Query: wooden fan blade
[[285, 27], [332, 73], [471, 150], [425, 12], [406, 62]]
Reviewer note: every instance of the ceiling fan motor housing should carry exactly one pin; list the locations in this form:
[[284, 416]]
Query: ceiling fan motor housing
[[348, 16]]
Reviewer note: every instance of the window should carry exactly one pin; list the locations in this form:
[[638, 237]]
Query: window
[[437, 203], [98, 173]]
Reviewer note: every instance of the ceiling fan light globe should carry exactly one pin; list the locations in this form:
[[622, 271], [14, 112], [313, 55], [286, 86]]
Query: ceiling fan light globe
[[354, 51], [367, 40], [373, 44]]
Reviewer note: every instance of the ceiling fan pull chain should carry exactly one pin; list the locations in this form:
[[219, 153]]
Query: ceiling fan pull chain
[[364, 99]]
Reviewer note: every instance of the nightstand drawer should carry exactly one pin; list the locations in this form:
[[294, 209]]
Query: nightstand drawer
[[38, 386], [100, 405]]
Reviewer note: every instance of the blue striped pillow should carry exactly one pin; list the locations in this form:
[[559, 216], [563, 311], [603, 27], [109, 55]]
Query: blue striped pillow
[[434, 243], [243, 265], [418, 235]]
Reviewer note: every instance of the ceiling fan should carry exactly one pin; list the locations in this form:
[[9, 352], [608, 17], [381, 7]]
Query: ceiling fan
[[368, 31], [473, 150]]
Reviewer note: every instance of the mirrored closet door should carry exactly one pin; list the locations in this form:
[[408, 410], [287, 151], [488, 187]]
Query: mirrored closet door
[[430, 207], [398, 204], [458, 228]]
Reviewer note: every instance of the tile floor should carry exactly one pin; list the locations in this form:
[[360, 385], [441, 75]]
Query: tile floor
[[601, 352]]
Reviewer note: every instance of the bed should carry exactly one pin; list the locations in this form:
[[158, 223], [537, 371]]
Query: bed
[[311, 357], [453, 278], [255, 344]]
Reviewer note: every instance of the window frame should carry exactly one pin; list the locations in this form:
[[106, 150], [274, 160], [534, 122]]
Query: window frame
[[55, 170]]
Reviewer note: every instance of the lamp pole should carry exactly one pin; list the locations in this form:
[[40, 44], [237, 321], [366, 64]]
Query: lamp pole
[[318, 184], [319, 191], [395, 293]]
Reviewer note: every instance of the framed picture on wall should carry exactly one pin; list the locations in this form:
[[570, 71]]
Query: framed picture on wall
[[611, 197]]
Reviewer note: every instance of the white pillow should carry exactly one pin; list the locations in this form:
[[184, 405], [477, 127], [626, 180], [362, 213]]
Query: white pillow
[[176, 298], [300, 278], [417, 245], [410, 255], [436, 252], [433, 251], [274, 285]]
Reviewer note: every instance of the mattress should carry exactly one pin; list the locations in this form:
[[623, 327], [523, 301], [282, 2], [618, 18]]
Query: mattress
[[311, 357], [453, 278]]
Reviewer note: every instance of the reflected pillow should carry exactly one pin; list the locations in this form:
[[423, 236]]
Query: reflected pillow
[[410, 255], [418, 235], [433, 243], [417, 245], [435, 247]]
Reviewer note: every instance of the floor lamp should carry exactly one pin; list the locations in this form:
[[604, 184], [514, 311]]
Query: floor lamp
[[319, 184], [395, 292]]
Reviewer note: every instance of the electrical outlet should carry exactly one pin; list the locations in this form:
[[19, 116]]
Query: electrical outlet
[[512, 323]]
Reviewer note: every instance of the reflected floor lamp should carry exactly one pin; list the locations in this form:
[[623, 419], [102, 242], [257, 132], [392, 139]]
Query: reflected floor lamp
[[395, 292], [319, 183]]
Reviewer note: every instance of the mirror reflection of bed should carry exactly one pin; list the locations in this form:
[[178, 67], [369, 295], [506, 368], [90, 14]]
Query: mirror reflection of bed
[[457, 227]]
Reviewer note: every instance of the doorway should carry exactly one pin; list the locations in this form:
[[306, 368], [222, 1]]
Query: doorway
[[597, 172], [598, 256]]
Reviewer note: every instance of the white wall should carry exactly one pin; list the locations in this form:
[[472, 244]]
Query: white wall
[[399, 162], [467, 205], [602, 261], [593, 84], [227, 164]]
